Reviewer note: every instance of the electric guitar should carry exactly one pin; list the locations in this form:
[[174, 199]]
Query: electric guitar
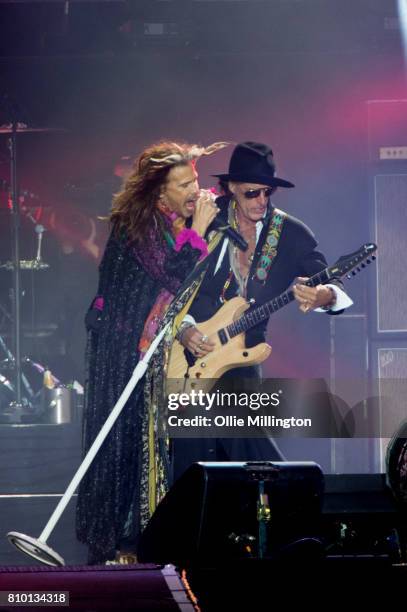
[[226, 329]]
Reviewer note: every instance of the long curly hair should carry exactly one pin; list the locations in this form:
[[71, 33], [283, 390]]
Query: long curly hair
[[134, 207]]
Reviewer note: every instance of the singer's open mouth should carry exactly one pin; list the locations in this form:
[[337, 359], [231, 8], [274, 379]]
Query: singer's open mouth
[[190, 204]]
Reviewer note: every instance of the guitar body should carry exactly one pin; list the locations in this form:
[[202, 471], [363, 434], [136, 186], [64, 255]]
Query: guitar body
[[224, 357]]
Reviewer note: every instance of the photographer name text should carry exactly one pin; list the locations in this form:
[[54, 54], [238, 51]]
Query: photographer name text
[[234, 421]]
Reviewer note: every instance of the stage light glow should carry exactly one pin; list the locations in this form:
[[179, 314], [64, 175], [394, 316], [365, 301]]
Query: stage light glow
[[402, 9]]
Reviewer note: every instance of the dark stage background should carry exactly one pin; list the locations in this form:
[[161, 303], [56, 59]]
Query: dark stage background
[[116, 76]]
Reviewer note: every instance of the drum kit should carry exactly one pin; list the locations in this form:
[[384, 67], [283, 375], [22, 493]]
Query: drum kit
[[19, 398]]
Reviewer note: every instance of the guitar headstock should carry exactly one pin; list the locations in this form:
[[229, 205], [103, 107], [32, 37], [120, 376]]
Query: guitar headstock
[[350, 264]]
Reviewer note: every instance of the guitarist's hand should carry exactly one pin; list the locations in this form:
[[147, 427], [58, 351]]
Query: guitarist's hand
[[310, 298], [196, 342]]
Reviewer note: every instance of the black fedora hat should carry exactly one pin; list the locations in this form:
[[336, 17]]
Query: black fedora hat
[[252, 162]]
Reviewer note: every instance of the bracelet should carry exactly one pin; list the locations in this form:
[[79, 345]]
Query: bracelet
[[183, 328]]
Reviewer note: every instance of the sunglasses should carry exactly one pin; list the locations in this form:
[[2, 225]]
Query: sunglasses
[[254, 193]]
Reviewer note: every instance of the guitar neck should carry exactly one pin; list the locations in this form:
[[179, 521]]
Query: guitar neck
[[261, 313]]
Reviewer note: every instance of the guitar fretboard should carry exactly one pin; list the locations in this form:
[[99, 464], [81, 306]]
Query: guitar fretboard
[[261, 313]]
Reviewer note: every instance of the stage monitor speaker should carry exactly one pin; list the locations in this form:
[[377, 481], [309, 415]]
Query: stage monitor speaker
[[223, 511], [390, 197]]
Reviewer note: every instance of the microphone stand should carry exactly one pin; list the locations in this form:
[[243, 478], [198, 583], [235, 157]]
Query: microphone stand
[[15, 208], [38, 547]]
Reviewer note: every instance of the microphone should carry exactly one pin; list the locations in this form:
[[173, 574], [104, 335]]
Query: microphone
[[222, 225], [231, 233]]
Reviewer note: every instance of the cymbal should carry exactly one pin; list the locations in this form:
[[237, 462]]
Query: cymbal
[[26, 264], [7, 128]]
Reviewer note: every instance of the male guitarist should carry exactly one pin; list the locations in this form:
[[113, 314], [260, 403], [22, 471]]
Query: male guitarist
[[280, 249]]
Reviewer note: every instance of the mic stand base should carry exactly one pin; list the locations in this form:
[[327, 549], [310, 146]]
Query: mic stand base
[[35, 548]]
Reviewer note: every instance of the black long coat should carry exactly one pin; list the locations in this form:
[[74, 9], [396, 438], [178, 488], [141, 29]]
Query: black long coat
[[130, 279]]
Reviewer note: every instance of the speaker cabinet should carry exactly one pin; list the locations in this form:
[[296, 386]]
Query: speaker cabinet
[[391, 360], [390, 220], [389, 368]]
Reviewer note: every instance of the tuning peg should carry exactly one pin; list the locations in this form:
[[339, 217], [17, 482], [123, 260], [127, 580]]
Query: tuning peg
[[348, 276], [363, 265], [373, 257], [368, 261], [353, 273]]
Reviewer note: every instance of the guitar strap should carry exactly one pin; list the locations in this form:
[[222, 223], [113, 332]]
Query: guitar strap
[[269, 251]]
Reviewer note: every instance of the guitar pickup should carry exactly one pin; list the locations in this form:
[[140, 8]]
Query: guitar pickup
[[222, 336]]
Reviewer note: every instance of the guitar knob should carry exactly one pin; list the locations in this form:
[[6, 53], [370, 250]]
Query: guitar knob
[[203, 364], [245, 354]]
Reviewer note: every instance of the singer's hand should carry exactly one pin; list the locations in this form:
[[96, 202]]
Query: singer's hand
[[205, 212]]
